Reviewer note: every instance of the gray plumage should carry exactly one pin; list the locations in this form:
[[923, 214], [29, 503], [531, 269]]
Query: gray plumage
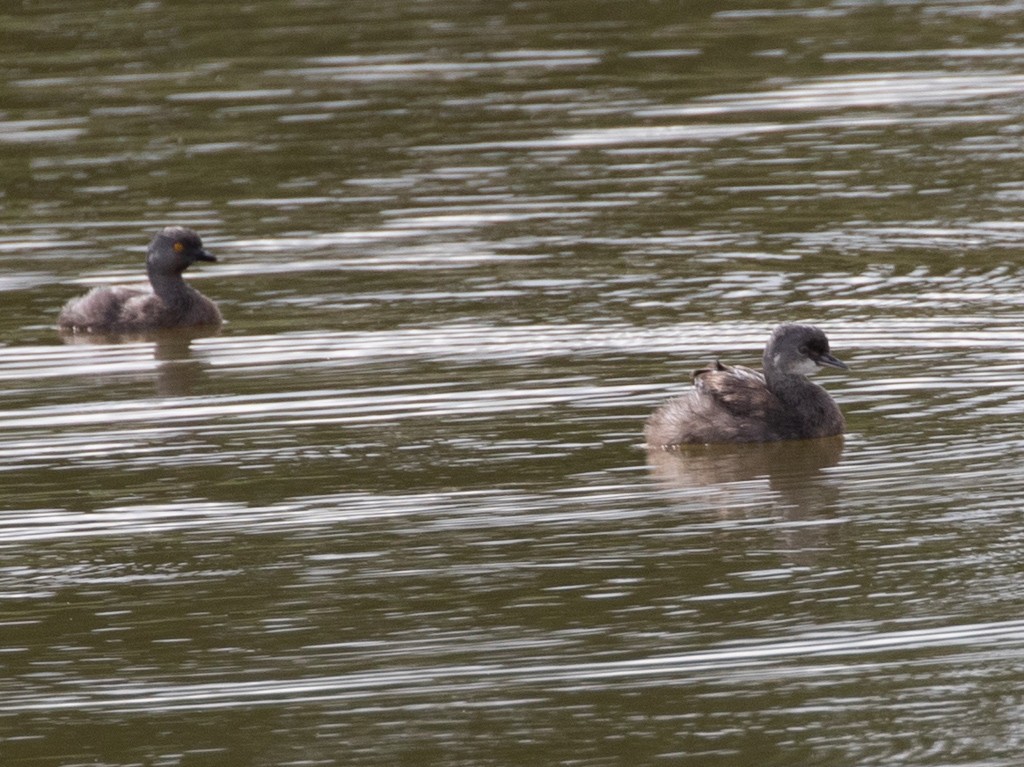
[[172, 303], [736, 404]]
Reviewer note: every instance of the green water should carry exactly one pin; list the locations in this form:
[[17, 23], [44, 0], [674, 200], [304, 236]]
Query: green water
[[396, 511]]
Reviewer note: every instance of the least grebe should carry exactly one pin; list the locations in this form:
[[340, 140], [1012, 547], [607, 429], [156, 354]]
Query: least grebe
[[172, 303], [736, 404]]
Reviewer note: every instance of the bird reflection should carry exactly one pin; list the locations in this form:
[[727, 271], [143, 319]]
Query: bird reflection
[[784, 478], [783, 463], [178, 371]]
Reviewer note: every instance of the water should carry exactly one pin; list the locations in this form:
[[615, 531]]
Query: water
[[396, 510]]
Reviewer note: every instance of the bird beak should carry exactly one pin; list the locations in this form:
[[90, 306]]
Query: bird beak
[[832, 362], [202, 255]]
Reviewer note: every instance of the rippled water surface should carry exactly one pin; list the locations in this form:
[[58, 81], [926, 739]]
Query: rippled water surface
[[396, 511]]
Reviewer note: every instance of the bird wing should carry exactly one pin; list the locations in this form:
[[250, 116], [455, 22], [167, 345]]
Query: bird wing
[[739, 390], [99, 308]]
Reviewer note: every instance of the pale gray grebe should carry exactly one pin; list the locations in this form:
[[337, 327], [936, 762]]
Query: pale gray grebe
[[736, 404], [173, 303]]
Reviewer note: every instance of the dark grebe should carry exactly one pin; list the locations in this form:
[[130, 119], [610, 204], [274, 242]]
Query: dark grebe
[[736, 404], [171, 304]]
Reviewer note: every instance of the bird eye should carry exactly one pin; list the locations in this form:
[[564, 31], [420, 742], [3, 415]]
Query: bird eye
[[179, 246]]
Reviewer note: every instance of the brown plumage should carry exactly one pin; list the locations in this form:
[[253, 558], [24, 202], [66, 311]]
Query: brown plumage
[[172, 303], [737, 404]]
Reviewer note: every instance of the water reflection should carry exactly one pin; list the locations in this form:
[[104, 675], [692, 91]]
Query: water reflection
[[785, 464], [794, 470], [178, 369], [786, 480], [400, 518]]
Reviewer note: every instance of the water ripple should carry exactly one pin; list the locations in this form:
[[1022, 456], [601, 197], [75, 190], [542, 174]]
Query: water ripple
[[792, 659]]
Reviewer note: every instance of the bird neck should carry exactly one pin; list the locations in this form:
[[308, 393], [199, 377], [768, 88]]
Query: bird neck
[[170, 287], [791, 387]]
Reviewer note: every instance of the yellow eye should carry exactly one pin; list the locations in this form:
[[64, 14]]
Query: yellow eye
[[178, 247]]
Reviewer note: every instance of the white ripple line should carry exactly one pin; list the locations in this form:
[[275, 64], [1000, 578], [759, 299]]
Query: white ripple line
[[432, 680]]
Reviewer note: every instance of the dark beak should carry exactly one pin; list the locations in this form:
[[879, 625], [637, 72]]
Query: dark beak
[[202, 255], [832, 362]]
